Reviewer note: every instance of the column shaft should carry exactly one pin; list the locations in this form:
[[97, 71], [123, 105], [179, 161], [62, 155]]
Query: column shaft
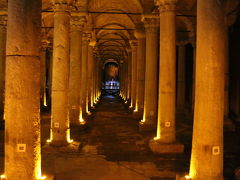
[[60, 82], [83, 93], [2, 64], [75, 69], [151, 74], [43, 77], [90, 76], [134, 75], [167, 75], [129, 77], [22, 97], [207, 143], [141, 57]]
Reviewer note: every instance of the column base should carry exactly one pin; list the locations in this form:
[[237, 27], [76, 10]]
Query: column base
[[158, 147], [182, 177], [48, 177], [143, 127], [69, 148]]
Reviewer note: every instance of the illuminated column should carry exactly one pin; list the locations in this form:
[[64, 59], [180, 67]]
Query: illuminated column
[[77, 23], [194, 74], [125, 65], [134, 74], [90, 72], [43, 98], [50, 70], [140, 71], [129, 59], [207, 142], [83, 89], [22, 95], [181, 78], [166, 135], [149, 121], [60, 121], [3, 23]]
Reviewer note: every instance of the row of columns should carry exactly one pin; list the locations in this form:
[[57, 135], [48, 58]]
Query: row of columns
[[23, 82], [26, 72], [209, 100]]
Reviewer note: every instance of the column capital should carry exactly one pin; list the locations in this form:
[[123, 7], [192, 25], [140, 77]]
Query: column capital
[[166, 5], [151, 22], [3, 22], [77, 22], [62, 5], [139, 34], [45, 44]]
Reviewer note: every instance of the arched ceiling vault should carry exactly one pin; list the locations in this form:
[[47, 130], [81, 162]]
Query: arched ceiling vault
[[114, 21]]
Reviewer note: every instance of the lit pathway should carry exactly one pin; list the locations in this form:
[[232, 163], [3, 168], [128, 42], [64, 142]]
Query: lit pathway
[[112, 149]]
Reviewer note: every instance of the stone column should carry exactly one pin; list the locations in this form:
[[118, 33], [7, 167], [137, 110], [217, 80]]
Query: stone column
[[3, 24], [149, 121], [141, 57], [22, 97], [90, 73], [133, 74], [43, 97], [60, 83], [83, 89], [181, 78], [166, 135], [207, 142], [129, 95], [77, 23], [49, 70], [194, 75]]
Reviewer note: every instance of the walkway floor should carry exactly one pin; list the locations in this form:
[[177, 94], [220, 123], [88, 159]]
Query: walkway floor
[[113, 149]]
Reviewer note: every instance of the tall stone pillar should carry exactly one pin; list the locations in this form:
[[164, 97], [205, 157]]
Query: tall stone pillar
[[194, 75], [181, 78], [141, 57], [166, 134], [133, 74], [3, 23], [83, 89], [207, 142], [90, 73], [129, 59], [149, 121], [77, 23], [49, 76], [22, 97], [43, 97], [60, 83]]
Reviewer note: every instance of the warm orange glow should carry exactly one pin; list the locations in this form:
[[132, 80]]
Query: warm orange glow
[[2, 177], [89, 113], [136, 108], [187, 177], [81, 120], [43, 177], [45, 100], [49, 140], [142, 121], [69, 140], [156, 138]]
